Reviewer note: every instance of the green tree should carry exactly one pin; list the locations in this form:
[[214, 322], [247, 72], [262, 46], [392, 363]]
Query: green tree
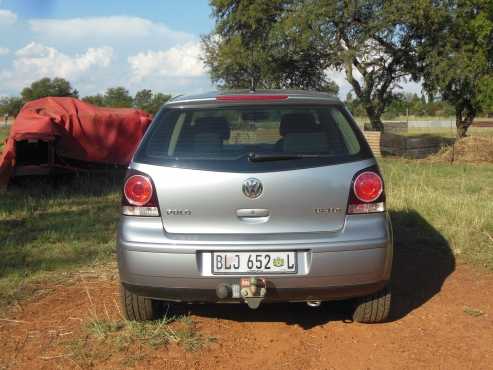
[[396, 107], [97, 99], [10, 106], [256, 43], [143, 99], [415, 104], [486, 95], [291, 43], [355, 107], [349, 98], [328, 86], [48, 87], [457, 59], [373, 42], [149, 101], [158, 99], [117, 97]]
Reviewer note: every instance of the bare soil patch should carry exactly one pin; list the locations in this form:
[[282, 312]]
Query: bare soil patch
[[442, 319]]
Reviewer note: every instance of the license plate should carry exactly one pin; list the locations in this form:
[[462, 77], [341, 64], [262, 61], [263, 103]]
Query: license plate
[[254, 263]]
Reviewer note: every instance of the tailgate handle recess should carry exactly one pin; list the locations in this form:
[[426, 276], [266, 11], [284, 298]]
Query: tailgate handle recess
[[252, 212]]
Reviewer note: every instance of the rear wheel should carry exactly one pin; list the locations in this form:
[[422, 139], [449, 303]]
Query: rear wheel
[[138, 308], [373, 308]]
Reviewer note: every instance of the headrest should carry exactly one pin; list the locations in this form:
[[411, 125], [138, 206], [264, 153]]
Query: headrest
[[298, 123], [217, 125]]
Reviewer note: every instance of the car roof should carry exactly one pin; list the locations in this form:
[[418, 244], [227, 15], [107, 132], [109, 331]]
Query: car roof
[[247, 97]]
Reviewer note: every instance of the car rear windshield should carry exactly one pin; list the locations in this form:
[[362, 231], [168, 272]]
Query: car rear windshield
[[252, 139]]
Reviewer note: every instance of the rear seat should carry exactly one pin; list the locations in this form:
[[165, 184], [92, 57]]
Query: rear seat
[[301, 134]]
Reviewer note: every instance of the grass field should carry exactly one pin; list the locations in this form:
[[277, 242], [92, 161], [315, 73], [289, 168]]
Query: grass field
[[46, 228], [455, 200], [4, 131], [446, 132]]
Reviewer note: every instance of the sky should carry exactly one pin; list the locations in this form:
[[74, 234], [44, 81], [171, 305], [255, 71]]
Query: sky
[[138, 44]]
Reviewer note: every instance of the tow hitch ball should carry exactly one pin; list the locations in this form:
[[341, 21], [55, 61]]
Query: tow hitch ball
[[251, 289]]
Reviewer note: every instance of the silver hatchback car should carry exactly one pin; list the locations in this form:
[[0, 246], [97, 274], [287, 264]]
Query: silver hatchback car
[[254, 197]]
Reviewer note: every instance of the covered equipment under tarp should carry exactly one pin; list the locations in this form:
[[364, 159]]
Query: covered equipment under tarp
[[65, 133]]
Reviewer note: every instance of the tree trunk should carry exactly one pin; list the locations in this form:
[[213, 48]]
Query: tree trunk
[[461, 129], [375, 120], [463, 124]]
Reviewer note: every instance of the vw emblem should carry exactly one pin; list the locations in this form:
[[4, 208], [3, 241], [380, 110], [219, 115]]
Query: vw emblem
[[252, 188]]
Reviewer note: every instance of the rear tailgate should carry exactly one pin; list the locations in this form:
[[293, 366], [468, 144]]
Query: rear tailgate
[[204, 202]]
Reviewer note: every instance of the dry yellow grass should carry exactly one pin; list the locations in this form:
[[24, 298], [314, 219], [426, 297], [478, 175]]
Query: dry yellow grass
[[473, 149]]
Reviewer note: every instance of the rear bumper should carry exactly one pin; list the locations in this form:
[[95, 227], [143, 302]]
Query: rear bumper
[[274, 294], [354, 262]]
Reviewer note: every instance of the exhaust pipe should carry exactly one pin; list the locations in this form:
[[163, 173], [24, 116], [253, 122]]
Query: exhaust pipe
[[314, 303]]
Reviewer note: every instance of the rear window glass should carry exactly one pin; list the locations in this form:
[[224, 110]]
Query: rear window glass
[[229, 139]]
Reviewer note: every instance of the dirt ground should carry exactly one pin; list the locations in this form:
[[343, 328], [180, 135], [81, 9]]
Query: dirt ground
[[442, 318]]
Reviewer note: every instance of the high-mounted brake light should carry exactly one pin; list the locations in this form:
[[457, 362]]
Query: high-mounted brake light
[[366, 195], [139, 197], [252, 97]]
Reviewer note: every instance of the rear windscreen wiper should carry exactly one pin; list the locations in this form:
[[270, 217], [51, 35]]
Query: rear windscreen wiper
[[259, 157]]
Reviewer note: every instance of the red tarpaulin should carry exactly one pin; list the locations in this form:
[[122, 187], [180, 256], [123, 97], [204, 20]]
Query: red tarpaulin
[[78, 130]]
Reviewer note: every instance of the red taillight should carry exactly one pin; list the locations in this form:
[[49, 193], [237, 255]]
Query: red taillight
[[139, 196], [368, 186], [138, 190], [367, 195], [250, 97]]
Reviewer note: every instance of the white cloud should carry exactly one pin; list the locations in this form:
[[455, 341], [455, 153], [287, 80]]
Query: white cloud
[[7, 17], [103, 28], [4, 51], [39, 60], [180, 61], [142, 54], [35, 61]]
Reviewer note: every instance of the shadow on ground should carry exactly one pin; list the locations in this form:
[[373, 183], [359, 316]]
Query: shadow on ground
[[67, 185], [422, 262]]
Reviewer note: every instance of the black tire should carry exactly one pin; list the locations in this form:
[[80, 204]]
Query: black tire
[[373, 308], [137, 308]]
